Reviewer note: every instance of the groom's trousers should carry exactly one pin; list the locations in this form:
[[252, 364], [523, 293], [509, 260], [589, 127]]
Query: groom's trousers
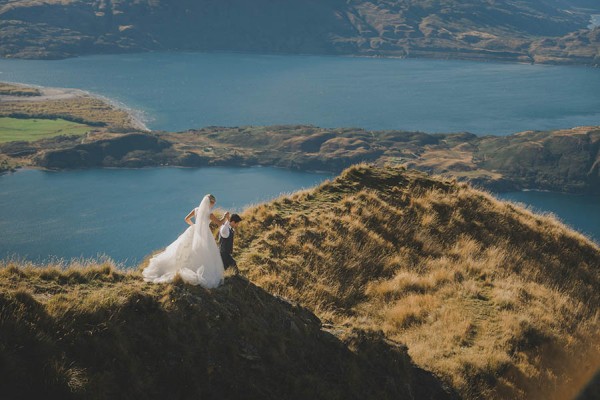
[[228, 260]]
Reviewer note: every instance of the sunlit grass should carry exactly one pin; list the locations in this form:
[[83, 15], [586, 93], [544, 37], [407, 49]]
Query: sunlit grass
[[13, 129], [496, 299]]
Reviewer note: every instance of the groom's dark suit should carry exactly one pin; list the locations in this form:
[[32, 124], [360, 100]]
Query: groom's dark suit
[[226, 234]]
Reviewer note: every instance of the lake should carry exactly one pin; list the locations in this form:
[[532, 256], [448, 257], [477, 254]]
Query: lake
[[129, 213], [123, 213], [581, 213], [179, 91]]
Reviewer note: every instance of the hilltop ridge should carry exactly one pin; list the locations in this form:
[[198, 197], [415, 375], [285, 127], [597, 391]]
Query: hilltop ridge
[[500, 302]]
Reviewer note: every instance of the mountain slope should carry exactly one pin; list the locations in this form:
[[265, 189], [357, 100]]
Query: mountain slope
[[93, 332], [506, 30], [499, 301]]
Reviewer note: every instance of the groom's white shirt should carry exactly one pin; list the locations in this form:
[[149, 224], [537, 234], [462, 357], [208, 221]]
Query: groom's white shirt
[[224, 230]]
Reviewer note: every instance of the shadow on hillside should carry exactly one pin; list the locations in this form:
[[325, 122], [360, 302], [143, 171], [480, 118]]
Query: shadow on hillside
[[178, 341]]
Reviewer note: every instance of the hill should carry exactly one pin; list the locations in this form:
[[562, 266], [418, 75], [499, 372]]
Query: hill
[[93, 332], [501, 303], [553, 31], [382, 283], [566, 160]]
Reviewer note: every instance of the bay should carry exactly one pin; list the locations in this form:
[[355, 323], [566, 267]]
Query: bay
[[125, 214], [179, 91]]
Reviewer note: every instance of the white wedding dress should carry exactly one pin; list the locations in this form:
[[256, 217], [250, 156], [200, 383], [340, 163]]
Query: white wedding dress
[[194, 255]]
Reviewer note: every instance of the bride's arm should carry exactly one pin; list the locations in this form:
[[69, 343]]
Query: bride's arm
[[188, 218]]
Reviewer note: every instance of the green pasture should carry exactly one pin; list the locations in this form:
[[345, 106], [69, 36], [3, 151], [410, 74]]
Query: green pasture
[[30, 129]]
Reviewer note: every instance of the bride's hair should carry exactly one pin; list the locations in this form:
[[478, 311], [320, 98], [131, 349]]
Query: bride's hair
[[212, 198]]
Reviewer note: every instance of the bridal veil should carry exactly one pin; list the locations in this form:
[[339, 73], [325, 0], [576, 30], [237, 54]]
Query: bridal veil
[[194, 255]]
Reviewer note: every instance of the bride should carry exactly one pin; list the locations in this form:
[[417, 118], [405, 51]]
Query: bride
[[194, 255]]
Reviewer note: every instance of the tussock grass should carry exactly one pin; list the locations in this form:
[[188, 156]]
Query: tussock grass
[[89, 330], [497, 301], [501, 302]]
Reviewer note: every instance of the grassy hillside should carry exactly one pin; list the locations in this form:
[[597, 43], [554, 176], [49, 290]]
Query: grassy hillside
[[93, 332], [487, 299], [500, 302], [33, 119]]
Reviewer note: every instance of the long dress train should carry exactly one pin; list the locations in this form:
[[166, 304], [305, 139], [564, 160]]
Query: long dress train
[[194, 255]]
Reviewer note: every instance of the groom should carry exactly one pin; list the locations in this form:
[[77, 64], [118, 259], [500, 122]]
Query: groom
[[226, 234]]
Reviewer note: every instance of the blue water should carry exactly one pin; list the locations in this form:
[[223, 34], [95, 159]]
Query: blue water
[[179, 91], [123, 213], [581, 213], [127, 214]]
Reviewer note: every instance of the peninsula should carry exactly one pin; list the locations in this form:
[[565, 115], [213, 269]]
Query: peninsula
[[94, 133]]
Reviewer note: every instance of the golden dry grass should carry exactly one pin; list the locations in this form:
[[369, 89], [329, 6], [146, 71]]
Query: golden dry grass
[[87, 330], [10, 89], [499, 301]]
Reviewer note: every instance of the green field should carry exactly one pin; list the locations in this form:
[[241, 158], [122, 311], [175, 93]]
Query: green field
[[12, 129]]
